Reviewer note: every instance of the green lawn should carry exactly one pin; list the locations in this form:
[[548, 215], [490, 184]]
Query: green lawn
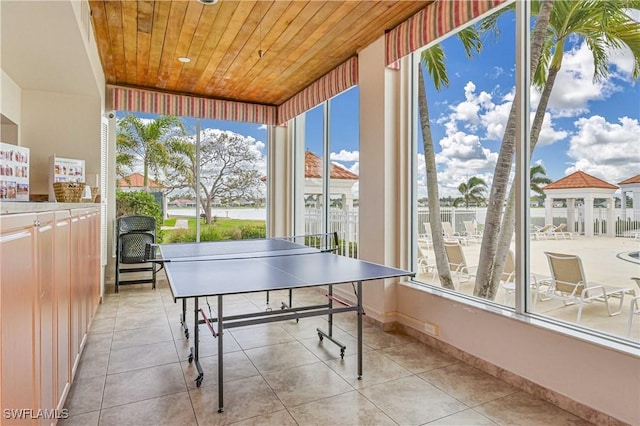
[[221, 229]]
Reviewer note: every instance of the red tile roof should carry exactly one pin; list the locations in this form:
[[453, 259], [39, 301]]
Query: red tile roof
[[136, 180], [579, 179], [635, 179], [313, 168]]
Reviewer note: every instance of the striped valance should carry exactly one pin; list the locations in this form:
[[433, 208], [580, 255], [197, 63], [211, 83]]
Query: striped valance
[[431, 23], [336, 81], [136, 100]]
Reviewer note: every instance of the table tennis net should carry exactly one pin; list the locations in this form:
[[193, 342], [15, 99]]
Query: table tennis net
[[244, 249]]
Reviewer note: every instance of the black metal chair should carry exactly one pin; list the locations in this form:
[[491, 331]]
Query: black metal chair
[[135, 234]]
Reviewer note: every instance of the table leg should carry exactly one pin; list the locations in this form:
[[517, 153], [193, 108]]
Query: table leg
[[220, 357], [360, 312], [195, 350], [183, 319]]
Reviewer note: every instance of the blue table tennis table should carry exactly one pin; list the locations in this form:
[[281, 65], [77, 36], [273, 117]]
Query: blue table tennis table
[[220, 269]]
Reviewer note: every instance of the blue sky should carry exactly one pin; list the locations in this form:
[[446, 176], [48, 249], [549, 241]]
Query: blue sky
[[593, 127]]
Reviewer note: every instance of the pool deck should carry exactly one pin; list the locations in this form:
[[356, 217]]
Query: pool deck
[[602, 264]]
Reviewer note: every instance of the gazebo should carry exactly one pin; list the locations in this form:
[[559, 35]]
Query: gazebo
[[581, 185], [631, 185], [341, 179]]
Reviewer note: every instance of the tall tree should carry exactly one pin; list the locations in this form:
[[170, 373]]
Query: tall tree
[[145, 141], [228, 167], [537, 178], [473, 191], [433, 59], [605, 26]]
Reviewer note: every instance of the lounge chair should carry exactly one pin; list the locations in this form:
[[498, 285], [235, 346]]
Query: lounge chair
[[426, 237], [508, 281], [450, 235], [569, 284], [471, 231], [457, 263], [542, 232], [423, 259], [558, 232]]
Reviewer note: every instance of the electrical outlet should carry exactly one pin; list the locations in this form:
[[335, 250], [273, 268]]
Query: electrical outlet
[[431, 329]]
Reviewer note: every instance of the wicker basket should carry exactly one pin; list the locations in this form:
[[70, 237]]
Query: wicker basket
[[68, 192]]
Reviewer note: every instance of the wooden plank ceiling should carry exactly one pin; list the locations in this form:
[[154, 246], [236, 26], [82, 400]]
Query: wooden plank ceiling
[[140, 42]]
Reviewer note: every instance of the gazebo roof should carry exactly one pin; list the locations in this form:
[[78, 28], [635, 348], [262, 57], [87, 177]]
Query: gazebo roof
[[136, 180], [634, 179], [580, 180], [313, 168]]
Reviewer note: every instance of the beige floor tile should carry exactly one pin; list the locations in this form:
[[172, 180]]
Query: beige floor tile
[[280, 357], [523, 409], [418, 357], [98, 342], [139, 320], [305, 328], [378, 339], [138, 385], [87, 419], [411, 400], [92, 364], [255, 337], [85, 395], [141, 336], [102, 325], [138, 357], [376, 369], [208, 344], [350, 408], [466, 417], [307, 383], [243, 399], [279, 418], [169, 410], [468, 384], [325, 349], [236, 366]]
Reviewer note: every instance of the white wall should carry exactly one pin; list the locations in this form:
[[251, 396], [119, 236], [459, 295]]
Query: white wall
[[10, 98], [64, 125]]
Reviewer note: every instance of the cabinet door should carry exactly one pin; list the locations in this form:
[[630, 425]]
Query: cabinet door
[[46, 327], [17, 317], [74, 292], [62, 286]]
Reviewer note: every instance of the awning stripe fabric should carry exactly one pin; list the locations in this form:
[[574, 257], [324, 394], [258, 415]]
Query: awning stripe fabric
[[137, 100], [431, 23], [336, 81]]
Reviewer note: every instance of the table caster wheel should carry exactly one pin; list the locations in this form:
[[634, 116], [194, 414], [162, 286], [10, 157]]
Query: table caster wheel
[[342, 353], [190, 359], [320, 336], [199, 381]]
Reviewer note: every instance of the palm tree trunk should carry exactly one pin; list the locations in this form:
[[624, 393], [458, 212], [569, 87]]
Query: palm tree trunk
[[493, 254], [432, 187], [145, 181]]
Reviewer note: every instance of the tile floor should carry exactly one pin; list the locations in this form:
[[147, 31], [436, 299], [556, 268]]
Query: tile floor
[[134, 371]]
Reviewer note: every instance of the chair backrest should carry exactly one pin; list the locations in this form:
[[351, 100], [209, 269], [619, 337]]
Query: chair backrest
[[455, 256], [423, 247], [447, 229], [567, 272], [427, 229], [509, 272], [469, 227], [560, 228], [545, 228], [136, 223]]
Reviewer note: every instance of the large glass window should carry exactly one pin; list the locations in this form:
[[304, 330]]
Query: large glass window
[[579, 219]]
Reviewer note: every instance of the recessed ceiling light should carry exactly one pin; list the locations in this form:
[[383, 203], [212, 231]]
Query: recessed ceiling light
[[184, 59], [208, 1]]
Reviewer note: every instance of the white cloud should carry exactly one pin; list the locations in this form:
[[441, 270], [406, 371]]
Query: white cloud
[[606, 150], [262, 127], [345, 155], [574, 87]]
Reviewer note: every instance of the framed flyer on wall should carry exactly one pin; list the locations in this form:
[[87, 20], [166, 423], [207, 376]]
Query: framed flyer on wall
[[14, 172], [64, 170]]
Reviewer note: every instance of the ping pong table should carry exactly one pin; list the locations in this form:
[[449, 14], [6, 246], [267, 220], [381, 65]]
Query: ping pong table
[[220, 269]]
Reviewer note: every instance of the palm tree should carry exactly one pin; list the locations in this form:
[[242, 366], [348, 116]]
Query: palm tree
[[537, 178], [473, 191], [433, 61], [139, 140], [605, 26]]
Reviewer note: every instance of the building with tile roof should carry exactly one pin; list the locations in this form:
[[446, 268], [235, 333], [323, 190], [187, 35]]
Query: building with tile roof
[[135, 182], [340, 183], [631, 185], [581, 186]]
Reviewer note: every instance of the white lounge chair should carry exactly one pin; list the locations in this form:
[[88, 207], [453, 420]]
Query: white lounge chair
[[424, 266], [542, 232], [569, 284], [634, 309], [471, 231], [450, 235], [457, 262]]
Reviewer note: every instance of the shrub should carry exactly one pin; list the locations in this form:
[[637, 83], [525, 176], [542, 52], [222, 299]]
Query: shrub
[[253, 231]]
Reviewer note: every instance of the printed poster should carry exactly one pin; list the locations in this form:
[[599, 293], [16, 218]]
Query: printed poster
[[14, 172], [68, 170]]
